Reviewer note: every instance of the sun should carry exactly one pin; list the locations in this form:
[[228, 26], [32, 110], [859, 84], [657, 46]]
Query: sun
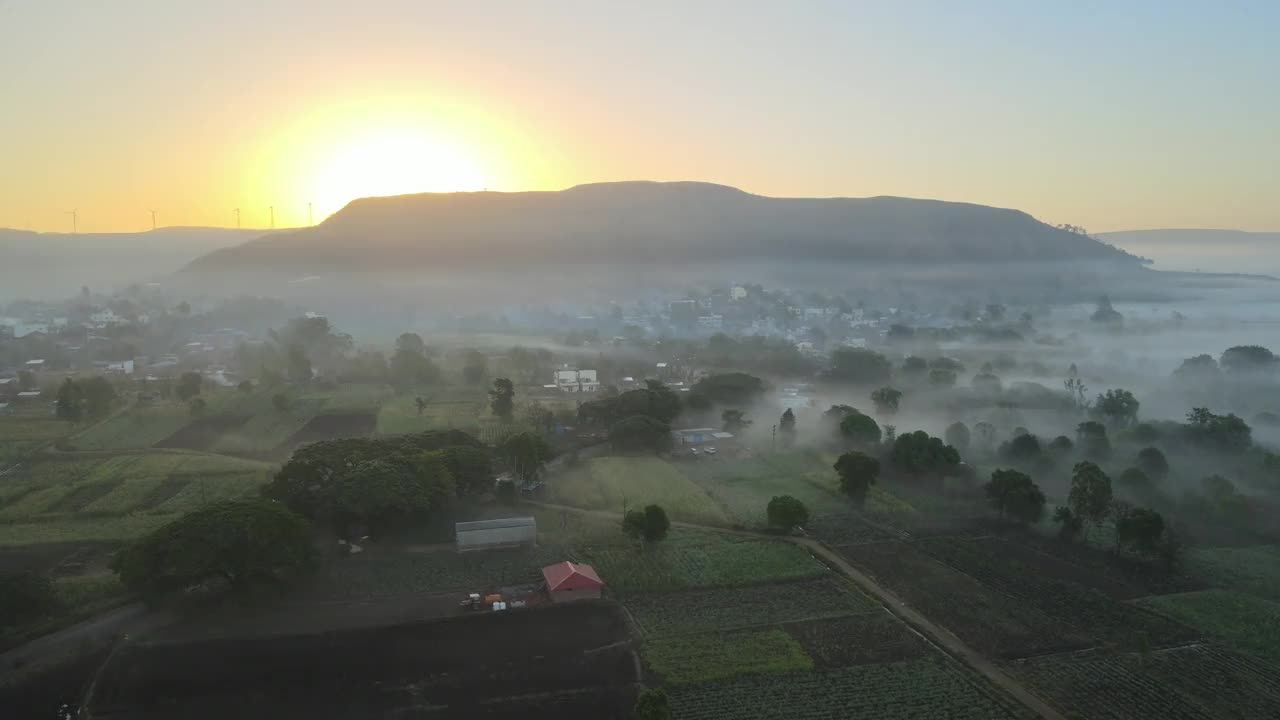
[[394, 163]]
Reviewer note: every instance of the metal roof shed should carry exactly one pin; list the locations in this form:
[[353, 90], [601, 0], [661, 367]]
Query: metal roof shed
[[490, 534]]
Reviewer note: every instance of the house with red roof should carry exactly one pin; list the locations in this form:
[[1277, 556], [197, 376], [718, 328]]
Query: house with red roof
[[569, 581]]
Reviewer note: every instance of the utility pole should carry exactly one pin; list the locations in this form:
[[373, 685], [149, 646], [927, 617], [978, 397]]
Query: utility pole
[[310, 218], [237, 218], [74, 221], [273, 217], [153, 219], [775, 438]]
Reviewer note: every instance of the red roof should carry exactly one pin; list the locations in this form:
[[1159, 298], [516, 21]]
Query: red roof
[[571, 576]]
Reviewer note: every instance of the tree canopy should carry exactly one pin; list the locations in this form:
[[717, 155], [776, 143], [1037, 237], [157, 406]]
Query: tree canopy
[[1117, 407], [957, 436], [1015, 495], [1090, 496], [859, 366], [787, 427], [858, 472], [784, 511], [1249, 359], [1227, 433], [243, 543], [918, 453], [650, 524], [1152, 462], [886, 400], [640, 433], [860, 429], [526, 454], [502, 399], [734, 388]]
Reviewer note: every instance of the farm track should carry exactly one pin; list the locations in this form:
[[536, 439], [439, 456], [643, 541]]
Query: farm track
[[938, 635]]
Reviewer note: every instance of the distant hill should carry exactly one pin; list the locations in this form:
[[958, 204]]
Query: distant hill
[[56, 265], [1234, 251], [677, 225]]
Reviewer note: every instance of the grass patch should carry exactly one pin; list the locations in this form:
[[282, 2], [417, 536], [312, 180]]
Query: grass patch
[[711, 657], [126, 527], [1239, 619], [610, 483], [1254, 569], [744, 487], [138, 427]]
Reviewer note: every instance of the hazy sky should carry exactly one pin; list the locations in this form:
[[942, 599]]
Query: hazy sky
[[1111, 115]]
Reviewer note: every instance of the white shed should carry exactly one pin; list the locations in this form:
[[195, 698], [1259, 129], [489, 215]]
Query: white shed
[[490, 534]]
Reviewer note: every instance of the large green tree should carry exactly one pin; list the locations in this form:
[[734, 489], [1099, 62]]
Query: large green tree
[[242, 543], [786, 512], [1090, 496], [70, 403], [730, 388], [640, 433], [188, 385], [957, 436], [787, 428], [858, 472], [526, 454], [650, 524], [859, 429], [1139, 529], [1015, 494], [502, 399], [920, 454], [1117, 407], [886, 400], [859, 366]]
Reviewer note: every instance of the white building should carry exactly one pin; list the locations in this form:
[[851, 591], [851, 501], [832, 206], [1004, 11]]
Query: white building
[[573, 380], [105, 317]]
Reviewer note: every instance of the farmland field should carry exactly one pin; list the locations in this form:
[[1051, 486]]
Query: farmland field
[[858, 640], [744, 487], [1235, 618], [268, 429], [924, 689], [727, 609], [610, 483], [709, 657], [690, 559], [1254, 569], [450, 407], [1088, 611], [1190, 682], [138, 427], [988, 621]]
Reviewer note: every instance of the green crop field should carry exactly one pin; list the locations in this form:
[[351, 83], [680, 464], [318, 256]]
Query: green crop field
[[691, 559], [269, 428], [744, 487], [610, 483], [925, 689], [731, 608], [350, 398], [447, 408], [709, 657], [138, 427], [1192, 682], [1239, 619], [1254, 569]]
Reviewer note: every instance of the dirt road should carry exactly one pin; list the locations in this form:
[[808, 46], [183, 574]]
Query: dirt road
[[940, 636]]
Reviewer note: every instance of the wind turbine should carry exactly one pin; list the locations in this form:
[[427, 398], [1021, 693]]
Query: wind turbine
[[74, 223], [237, 218], [273, 217], [310, 220], [153, 220]]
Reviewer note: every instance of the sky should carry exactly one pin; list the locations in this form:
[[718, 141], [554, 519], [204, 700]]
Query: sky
[[1109, 115]]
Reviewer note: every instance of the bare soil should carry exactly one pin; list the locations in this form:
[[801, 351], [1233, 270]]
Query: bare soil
[[334, 427], [202, 433]]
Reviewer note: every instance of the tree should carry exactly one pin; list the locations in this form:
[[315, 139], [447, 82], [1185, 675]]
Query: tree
[[1015, 494], [412, 343], [986, 434], [1069, 525], [1077, 391], [502, 399], [860, 366], [1140, 529], [197, 406], [917, 453], [1024, 448], [650, 524], [915, 367], [1249, 360], [1135, 480], [1117, 407], [475, 367], [651, 704], [409, 366], [526, 453], [1061, 445], [730, 388], [26, 380], [858, 472], [384, 492], [1226, 433], [957, 436], [640, 433], [1105, 314], [280, 402], [188, 385], [1090, 496], [886, 400], [245, 386], [1152, 462], [1198, 369], [942, 378], [786, 512], [986, 382], [787, 427], [25, 596], [1092, 438], [69, 405], [471, 468], [299, 365], [860, 429], [420, 404], [244, 543], [734, 421]]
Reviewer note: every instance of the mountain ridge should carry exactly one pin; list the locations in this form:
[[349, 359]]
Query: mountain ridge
[[654, 223]]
